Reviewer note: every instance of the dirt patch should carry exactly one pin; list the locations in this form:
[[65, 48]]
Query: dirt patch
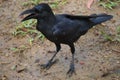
[[95, 59]]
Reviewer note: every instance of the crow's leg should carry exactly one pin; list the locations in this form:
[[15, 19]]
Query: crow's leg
[[51, 62], [72, 67]]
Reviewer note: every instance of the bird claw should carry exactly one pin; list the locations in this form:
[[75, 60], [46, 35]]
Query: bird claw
[[48, 65], [71, 71]]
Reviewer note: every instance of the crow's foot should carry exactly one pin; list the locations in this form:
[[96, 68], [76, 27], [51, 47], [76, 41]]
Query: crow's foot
[[71, 71], [49, 64]]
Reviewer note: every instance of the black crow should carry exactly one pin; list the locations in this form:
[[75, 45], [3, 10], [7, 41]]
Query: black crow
[[62, 28]]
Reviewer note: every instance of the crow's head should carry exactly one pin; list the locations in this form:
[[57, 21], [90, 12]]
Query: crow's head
[[39, 11]]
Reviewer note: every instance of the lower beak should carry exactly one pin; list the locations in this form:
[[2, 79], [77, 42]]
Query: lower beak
[[31, 15]]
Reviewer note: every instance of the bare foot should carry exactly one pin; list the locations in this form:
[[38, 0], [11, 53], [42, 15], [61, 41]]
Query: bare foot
[[89, 3]]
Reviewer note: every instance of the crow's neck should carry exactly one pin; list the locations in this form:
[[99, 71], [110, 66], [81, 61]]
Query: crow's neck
[[46, 23]]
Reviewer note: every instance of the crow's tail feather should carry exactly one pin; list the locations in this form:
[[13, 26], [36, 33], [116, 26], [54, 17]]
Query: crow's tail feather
[[97, 19]]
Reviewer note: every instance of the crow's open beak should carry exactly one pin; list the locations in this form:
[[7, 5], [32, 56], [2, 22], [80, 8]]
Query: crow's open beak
[[31, 12]]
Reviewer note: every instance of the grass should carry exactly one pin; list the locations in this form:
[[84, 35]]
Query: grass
[[109, 4], [32, 2], [28, 28], [118, 34], [19, 49], [24, 28], [110, 37], [53, 3]]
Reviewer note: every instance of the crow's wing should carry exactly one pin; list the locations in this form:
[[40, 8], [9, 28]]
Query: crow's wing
[[70, 25], [66, 28]]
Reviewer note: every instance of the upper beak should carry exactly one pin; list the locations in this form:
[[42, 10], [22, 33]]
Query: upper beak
[[29, 11]]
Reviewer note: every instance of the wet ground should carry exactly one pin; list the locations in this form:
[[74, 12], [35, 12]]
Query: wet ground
[[95, 58]]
